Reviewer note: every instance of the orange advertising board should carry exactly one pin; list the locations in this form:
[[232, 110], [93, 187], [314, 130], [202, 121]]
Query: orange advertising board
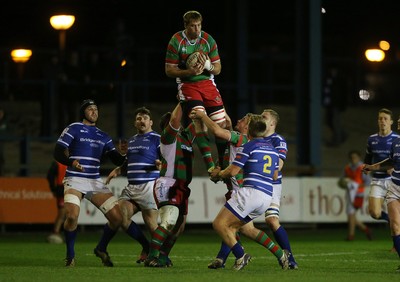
[[26, 200]]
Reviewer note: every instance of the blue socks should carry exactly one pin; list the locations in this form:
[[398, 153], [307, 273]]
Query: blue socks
[[70, 237], [238, 250], [282, 239], [136, 233], [224, 252], [396, 243], [384, 216], [108, 234]]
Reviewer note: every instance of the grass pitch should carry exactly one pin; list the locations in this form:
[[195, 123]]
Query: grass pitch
[[322, 255]]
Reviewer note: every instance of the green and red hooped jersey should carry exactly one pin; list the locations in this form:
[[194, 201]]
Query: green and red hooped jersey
[[237, 140], [177, 152], [180, 47]]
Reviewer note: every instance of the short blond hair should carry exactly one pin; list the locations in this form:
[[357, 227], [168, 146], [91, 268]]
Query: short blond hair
[[191, 16], [273, 113]]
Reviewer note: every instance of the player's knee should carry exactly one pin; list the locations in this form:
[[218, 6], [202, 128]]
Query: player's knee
[[108, 205], [375, 214], [168, 216], [125, 223], [72, 199], [272, 222], [217, 226]]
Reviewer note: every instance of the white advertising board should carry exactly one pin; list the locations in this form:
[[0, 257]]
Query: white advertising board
[[304, 200]]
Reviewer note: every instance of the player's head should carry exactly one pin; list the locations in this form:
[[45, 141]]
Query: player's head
[[142, 111], [192, 21], [190, 16], [257, 126], [242, 124], [271, 116], [385, 119], [165, 120], [143, 121], [86, 103]]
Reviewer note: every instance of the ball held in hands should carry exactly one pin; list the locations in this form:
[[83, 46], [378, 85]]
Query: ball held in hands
[[196, 58]]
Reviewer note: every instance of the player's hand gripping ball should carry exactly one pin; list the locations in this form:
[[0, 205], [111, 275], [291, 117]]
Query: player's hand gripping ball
[[193, 59]]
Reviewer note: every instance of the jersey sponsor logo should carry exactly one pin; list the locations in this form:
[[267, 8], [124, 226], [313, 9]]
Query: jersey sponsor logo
[[91, 141], [136, 148]]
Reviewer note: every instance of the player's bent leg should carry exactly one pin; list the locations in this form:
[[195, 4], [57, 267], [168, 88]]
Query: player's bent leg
[[280, 234], [108, 205], [249, 230], [72, 204], [375, 207], [127, 211], [168, 216], [226, 224], [217, 114], [150, 219]]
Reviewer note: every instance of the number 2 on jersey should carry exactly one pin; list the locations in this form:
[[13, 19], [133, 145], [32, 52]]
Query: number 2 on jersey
[[267, 164]]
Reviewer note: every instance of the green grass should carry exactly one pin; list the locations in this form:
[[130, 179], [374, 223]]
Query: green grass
[[322, 255]]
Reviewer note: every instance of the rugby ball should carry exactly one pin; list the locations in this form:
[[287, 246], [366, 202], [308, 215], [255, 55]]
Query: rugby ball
[[193, 59]]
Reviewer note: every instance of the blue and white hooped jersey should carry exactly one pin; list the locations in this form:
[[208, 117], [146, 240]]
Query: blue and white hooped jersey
[[143, 151], [87, 144], [379, 147], [280, 144], [259, 160], [395, 156]]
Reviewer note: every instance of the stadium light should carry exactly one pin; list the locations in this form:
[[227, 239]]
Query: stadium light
[[384, 45], [375, 55], [21, 55], [62, 23]]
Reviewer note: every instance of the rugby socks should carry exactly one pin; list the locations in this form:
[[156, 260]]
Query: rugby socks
[[396, 243], [265, 241], [166, 249], [168, 245], [157, 240], [384, 216], [224, 252], [282, 239], [136, 233], [238, 250], [108, 234], [70, 237]]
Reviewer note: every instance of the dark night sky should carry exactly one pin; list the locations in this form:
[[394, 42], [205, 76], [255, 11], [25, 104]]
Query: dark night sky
[[26, 22], [348, 27]]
